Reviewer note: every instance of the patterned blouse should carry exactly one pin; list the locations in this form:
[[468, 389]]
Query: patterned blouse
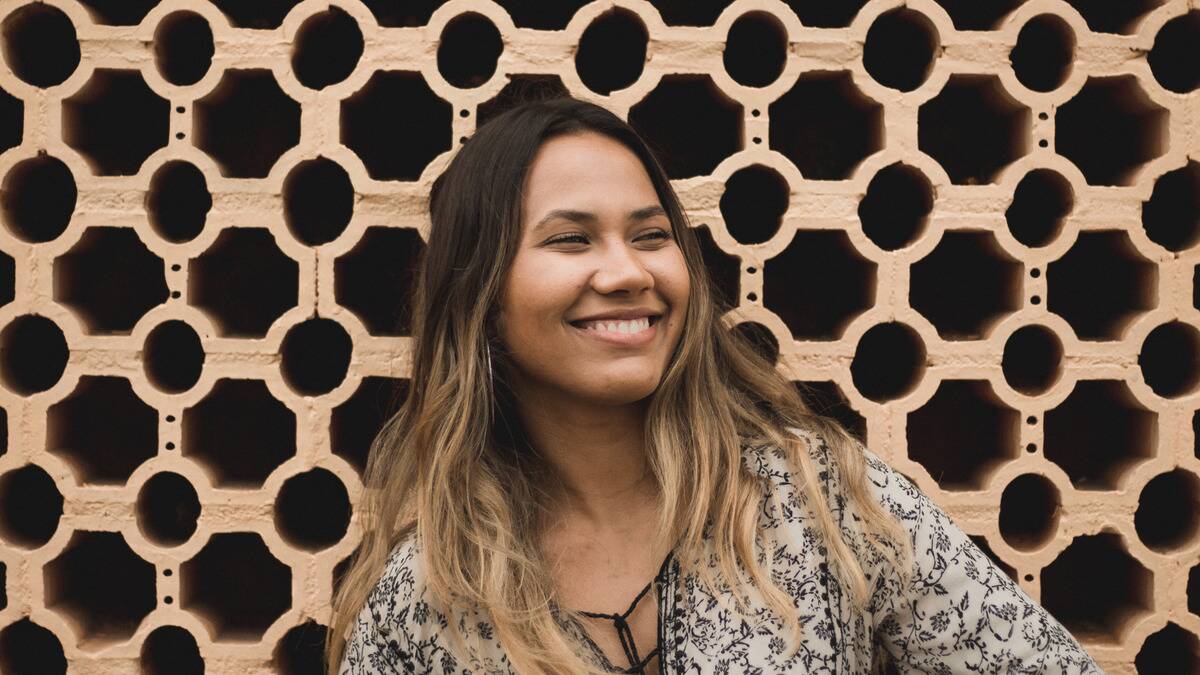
[[959, 614]]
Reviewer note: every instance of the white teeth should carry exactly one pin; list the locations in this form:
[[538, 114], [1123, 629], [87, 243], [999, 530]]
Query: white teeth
[[622, 327]]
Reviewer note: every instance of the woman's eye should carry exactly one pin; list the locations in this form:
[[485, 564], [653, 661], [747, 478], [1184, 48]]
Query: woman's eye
[[572, 238]]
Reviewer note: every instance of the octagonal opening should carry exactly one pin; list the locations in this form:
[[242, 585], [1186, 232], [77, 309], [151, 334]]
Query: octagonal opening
[[682, 109], [375, 279], [1093, 562], [115, 121], [396, 125], [818, 284], [246, 123], [963, 434], [239, 433], [244, 282], [1098, 433], [1101, 264], [825, 125], [100, 613], [102, 430], [1110, 129], [236, 587], [110, 279], [966, 285], [973, 128]]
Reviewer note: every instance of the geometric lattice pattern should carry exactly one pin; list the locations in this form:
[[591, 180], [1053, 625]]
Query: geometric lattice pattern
[[968, 230]]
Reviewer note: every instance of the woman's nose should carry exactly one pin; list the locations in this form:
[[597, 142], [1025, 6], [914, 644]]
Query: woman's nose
[[620, 268]]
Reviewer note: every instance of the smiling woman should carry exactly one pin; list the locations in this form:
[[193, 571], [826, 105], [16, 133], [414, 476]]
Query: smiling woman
[[593, 472]]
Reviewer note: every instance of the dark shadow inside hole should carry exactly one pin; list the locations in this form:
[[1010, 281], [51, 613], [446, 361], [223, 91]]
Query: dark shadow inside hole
[[755, 49], [1041, 59], [900, 49], [469, 49], [1029, 511], [895, 210], [1032, 359], [1168, 512], [753, 203], [888, 361], [1041, 201], [326, 48], [612, 51], [183, 47]]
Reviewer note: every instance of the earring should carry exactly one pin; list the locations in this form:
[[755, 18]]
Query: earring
[[488, 347]]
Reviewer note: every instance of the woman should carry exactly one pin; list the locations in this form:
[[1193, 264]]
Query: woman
[[593, 473]]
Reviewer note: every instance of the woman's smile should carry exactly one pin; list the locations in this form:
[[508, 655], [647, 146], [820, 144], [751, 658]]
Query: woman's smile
[[628, 333]]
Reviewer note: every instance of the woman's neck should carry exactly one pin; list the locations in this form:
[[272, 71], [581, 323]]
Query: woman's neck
[[598, 453]]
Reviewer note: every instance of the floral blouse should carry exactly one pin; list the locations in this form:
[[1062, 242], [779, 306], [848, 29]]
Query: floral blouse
[[959, 614]]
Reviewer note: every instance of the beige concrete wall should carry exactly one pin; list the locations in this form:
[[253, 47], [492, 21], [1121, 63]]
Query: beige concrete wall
[[970, 230]]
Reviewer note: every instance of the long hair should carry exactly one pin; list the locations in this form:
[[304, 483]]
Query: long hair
[[453, 466]]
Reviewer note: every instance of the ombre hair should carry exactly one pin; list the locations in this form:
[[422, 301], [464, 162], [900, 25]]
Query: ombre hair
[[453, 466]]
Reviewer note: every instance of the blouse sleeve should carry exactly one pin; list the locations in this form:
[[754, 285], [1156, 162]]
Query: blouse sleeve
[[397, 631], [960, 613]]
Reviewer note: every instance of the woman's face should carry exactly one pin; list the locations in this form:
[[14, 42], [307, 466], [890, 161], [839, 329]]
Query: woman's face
[[595, 243]]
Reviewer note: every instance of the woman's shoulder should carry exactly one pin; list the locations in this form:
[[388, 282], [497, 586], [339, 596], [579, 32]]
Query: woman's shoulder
[[828, 462], [399, 626]]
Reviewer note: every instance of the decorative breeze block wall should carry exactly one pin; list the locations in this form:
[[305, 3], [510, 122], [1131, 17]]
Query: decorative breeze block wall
[[968, 230]]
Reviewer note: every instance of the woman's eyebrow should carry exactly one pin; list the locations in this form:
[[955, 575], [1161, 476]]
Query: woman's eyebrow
[[577, 216]]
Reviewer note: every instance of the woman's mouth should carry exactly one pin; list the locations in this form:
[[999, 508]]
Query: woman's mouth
[[625, 333]]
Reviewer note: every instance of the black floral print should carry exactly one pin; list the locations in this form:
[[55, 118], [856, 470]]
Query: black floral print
[[959, 613]]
